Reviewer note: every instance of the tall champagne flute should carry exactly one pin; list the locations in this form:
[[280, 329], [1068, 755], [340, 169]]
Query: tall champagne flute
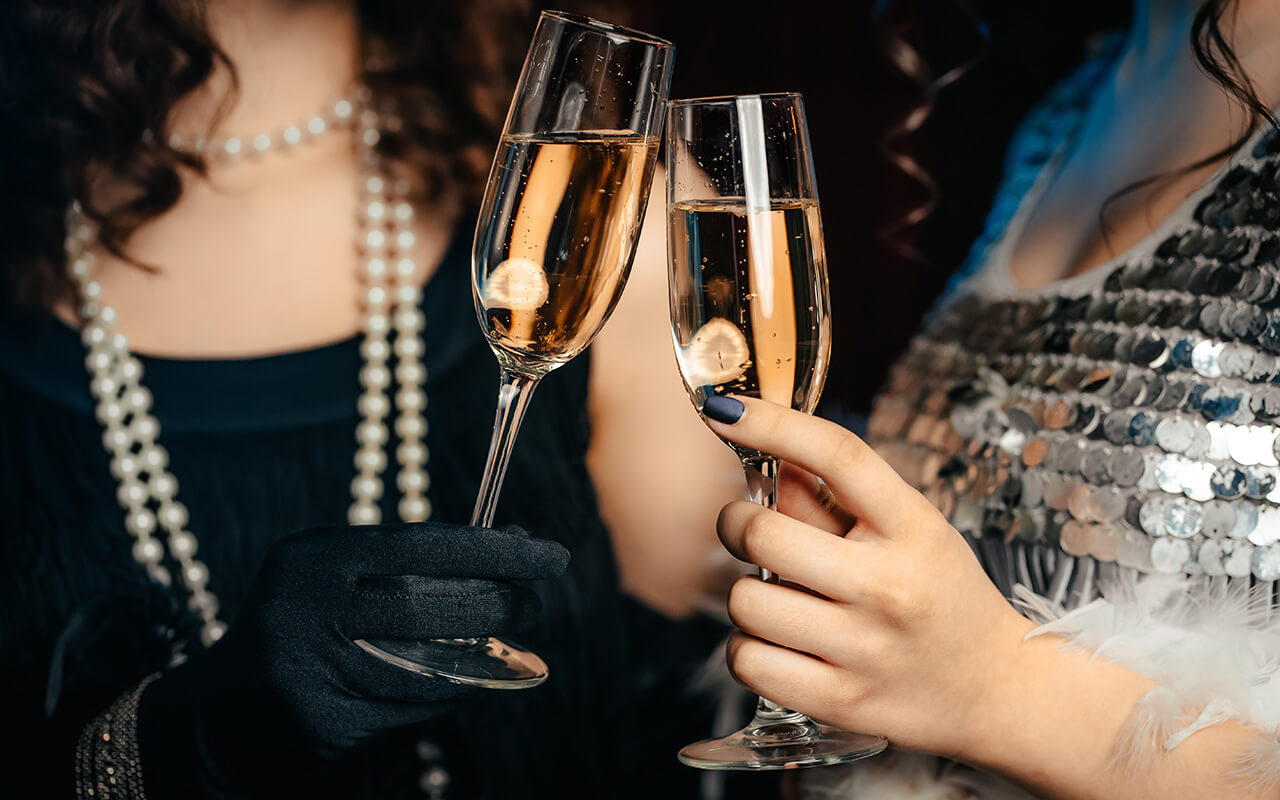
[[554, 243], [749, 315]]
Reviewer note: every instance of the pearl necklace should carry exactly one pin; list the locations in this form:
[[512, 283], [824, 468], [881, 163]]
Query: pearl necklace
[[231, 148], [147, 490]]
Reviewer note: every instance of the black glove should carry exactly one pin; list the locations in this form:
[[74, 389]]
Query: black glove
[[286, 682]]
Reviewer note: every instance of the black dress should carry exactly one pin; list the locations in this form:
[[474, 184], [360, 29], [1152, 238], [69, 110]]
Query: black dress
[[262, 447]]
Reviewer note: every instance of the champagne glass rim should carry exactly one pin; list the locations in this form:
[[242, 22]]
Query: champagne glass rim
[[608, 27], [726, 99]]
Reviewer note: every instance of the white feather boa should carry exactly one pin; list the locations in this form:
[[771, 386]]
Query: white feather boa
[[1212, 647]]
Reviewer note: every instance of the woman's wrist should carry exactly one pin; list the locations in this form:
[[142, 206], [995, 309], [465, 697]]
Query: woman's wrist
[[1051, 718]]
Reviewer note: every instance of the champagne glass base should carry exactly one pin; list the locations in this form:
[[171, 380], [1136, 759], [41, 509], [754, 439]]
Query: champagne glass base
[[786, 745], [487, 662]]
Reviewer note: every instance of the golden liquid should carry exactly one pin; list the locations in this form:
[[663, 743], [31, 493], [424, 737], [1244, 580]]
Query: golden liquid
[[556, 240], [749, 300]]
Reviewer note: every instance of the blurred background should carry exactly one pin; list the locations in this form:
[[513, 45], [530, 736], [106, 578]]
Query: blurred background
[[834, 53]]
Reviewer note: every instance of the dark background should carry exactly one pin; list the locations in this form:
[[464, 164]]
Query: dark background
[[830, 51]]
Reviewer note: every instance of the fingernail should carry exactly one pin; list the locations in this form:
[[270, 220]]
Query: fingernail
[[723, 409]]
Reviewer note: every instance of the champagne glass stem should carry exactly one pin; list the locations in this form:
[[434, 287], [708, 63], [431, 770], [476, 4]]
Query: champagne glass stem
[[762, 488], [514, 392]]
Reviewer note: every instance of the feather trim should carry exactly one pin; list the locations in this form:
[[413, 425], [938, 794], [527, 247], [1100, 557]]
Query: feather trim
[[906, 776], [1212, 646]]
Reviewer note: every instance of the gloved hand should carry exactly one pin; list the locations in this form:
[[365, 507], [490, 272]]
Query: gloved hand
[[286, 682]]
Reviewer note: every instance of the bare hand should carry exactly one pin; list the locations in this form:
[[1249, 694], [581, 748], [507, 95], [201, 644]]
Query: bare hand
[[890, 625]]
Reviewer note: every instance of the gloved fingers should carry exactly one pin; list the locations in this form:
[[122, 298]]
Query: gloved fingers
[[418, 607], [432, 548]]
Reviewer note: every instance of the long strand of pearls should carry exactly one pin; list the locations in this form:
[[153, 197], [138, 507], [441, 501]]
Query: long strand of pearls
[[147, 490], [386, 238]]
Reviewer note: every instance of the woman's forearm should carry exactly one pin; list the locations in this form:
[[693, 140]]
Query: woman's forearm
[[1054, 720]]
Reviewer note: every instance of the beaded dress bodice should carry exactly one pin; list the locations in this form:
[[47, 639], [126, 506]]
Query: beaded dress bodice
[[1124, 421]]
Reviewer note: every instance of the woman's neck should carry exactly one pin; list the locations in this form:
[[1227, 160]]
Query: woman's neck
[[1158, 53], [291, 60]]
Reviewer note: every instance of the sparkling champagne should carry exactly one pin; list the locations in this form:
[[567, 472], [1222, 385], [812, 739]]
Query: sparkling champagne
[[749, 300], [556, 237]]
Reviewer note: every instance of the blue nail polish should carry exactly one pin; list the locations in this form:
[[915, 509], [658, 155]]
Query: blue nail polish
[[723, 409]]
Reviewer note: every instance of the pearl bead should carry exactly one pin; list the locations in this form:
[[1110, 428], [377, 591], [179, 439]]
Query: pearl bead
[[370, 137], [375, 239], [116, 439], [182, 544], [147, 551], [366, 487], [204, 604], [342, 109], [376, 268], [140, 523], [94, 335], [371, 459], [316, 125], [374, 376], [414, 481], [82, 266], [195, 573], [411, 426], [98, 361], [374, 185], [371, 433], [124, 467], [107, 314], [377, 325], [92, 290], [410, 399], [144, 428], [376, 210], [232, 146], [118, 342], [111, 412], [410, 320], [129, 369], [404, 212], [368, 118], [173, 515], [373, 404], [412, 453], [411, 373], [90, 310], [163, 486], [131, 493], [376, 297], [414, 509], [364, 514], [375, 349], [212, 632], [406, 267], [104, 386], [138, 399], [405, 240], [292, 135], [154, 458], [407, 294], [408, 347]]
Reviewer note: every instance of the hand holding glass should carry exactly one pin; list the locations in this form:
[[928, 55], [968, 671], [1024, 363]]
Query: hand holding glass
[[554, 243], [749, 316]]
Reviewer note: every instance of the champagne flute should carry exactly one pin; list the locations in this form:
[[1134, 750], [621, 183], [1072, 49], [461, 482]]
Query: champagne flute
[[553, 248], [749, 315]]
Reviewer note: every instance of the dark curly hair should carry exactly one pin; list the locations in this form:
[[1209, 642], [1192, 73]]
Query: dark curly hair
[[81, 82]]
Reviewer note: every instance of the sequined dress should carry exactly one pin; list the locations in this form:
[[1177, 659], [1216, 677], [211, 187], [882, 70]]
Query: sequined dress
[[1108, 444]]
